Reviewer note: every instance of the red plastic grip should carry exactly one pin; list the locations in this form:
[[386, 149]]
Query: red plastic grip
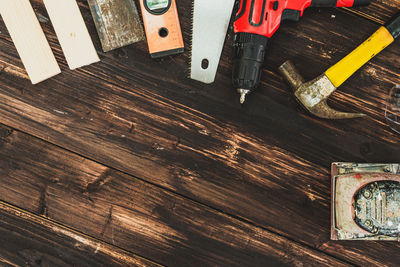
[[264, 17], [345, 3]]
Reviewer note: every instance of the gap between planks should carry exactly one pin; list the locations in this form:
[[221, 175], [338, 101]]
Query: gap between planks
[[191, 200], [146, 181], [56, 227], [363, 15]]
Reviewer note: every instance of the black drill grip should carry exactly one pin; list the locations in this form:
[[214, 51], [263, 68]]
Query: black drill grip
[[249, 57], [333, 3]]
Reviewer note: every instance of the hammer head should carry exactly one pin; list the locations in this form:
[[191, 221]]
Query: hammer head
[[313, 95]]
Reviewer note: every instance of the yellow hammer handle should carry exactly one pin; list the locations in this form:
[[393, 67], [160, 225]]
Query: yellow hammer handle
[[340, 72]]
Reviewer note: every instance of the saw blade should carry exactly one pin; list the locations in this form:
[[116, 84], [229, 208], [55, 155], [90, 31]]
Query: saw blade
[[210, 24]]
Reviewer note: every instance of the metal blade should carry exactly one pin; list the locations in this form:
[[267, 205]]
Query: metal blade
[[210, 24], [117, 22]]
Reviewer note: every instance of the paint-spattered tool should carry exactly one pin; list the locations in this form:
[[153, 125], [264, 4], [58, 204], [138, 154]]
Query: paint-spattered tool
[[163, 30], [117, 22], [314, 94], [365, 201]]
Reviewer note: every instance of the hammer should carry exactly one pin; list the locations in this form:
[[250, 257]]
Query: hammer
[[313, 95]]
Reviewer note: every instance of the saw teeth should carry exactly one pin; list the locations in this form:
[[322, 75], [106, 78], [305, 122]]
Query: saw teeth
[[191, 42]]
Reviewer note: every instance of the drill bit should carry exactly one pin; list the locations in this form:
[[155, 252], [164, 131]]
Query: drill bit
[[243, 93]]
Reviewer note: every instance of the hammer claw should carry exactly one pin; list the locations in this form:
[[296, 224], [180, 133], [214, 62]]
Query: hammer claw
[[322, 110], [313, 95]]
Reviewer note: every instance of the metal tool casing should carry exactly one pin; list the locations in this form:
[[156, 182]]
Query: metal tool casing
[[365, 201]]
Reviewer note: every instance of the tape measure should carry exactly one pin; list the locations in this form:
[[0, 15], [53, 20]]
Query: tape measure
[[163, 30]]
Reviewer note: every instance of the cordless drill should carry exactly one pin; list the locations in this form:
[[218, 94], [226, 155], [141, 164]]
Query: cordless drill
[[256, 21]]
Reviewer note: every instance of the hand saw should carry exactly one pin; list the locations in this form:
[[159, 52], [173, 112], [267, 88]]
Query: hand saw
[[210, 24]]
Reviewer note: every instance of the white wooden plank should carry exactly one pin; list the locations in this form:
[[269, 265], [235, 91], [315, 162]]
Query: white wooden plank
[[72, 33], [29, 39]]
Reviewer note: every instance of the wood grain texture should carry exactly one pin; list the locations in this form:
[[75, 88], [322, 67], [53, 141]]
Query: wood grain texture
[[29, 40], [134, 215], [30, 240], [266, 163], [71, 32], [379, 10]]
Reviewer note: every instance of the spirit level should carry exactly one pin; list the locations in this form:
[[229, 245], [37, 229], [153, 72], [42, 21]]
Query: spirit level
[[163, 30]]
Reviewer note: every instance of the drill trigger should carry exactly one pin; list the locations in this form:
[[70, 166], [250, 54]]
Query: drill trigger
[[290, 14]]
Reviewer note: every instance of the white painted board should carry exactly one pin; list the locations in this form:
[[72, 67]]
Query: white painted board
[[29, 39], [72, 33]]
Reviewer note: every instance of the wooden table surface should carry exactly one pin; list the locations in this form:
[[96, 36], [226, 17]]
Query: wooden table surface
[[129, 162]]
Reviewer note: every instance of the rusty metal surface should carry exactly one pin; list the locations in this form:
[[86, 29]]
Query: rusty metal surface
[[117, 21], [377, 207], [313, 95], [365, 201]]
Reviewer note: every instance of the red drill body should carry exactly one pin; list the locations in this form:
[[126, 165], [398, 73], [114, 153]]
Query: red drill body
[[256, 21]]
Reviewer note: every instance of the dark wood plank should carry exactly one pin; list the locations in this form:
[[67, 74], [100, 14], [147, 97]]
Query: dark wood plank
[[132, 214], [148, 120], [379, 10], [30, 240]]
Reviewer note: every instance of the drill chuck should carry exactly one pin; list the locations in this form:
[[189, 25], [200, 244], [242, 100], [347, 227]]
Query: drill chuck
[[249, 52]]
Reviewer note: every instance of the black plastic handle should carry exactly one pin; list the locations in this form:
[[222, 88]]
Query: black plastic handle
[[393, 25], [249, 52]]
